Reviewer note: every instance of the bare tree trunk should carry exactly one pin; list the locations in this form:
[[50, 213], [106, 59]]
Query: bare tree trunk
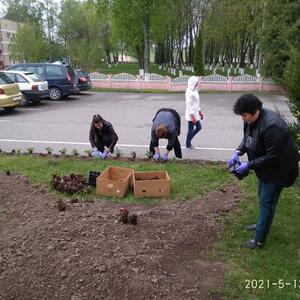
[[146, 42]]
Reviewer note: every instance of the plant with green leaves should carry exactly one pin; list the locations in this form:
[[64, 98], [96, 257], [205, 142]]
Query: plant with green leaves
[[63, 151], [118, 152], [30, 150], [49, 150], [148, 154], [88, 152], [75, 152]]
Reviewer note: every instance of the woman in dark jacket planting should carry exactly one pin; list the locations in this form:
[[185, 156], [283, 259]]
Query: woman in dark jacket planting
[[273, 156], [103, 137]]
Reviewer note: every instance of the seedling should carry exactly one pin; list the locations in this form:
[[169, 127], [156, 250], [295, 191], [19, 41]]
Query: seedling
[[49, 150], [13, 151], [88, 152], [133, 155], [30, 150], [75, 152], [148, 154], [19, 151], [118, 152], [63, 151]]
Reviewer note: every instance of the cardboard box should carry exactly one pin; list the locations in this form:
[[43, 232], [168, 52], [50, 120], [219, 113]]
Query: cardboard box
[[114, 181], [151, 184]]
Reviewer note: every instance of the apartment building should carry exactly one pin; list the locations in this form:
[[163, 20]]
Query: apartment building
[[8, 29]]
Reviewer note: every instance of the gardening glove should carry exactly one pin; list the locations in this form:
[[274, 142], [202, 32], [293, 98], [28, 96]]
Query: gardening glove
[[96, 153], [233, 159], [243, 168], [194, 121], [201, 114], [165, 157], [156, 156], [104, 154]]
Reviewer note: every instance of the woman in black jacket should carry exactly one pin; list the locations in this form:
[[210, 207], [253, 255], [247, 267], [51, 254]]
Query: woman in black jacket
[[103, 137], [273, 156]]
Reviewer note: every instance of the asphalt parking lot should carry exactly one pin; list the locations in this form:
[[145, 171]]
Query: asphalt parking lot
[[66, 123]]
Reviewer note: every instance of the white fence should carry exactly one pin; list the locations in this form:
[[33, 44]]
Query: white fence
[[158, 82]]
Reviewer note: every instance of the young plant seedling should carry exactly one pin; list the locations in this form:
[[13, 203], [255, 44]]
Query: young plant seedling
[[148, 154], [49, 150], [75, 152], [118, 152], [88, 152], [30, 150], [63, 151], [133, 155]]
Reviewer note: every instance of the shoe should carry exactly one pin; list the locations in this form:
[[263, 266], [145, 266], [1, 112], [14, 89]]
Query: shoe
[[250, 227], [190, 147], [253, 244]]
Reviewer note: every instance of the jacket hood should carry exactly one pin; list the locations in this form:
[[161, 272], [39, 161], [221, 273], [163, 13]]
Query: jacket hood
[[192, 82]]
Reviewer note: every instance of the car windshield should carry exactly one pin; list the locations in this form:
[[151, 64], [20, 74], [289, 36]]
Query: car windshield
[[34, 77], [4, 79]]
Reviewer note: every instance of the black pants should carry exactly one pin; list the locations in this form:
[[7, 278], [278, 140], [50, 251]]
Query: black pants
[[177, 148]]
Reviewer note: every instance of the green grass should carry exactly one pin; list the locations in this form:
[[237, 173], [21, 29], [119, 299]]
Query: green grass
[[187, 180], [280, 259], [133, 68]]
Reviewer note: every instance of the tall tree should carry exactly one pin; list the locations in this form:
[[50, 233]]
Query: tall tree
[[198, 55]]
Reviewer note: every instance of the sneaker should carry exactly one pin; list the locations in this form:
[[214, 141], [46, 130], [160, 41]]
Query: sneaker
[[189, 147], [253, 244], [250, 227]]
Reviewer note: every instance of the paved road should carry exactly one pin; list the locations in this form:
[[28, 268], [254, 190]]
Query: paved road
[[66, 123]]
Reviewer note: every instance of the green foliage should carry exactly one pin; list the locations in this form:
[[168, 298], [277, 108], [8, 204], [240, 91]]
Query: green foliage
[[49, 150], [198, 56], [30, 150], [75, 152], [62, 151], [291, 79], [22, 47], [118, 152]]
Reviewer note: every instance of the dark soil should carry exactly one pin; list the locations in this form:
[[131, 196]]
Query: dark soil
[[54, 248]]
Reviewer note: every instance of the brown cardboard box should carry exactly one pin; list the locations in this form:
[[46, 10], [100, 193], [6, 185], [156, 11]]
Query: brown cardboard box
[[114, 181], [151, 184]]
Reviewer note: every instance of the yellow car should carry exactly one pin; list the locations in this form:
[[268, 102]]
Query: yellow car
[[10, 95]]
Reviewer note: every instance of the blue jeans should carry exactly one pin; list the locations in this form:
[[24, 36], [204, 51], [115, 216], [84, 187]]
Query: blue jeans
[[268, 197], [192, 132]]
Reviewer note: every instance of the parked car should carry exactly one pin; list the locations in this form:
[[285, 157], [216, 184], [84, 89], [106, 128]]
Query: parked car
[[10, 95], [32, 86], [62, 80], [84, 81]]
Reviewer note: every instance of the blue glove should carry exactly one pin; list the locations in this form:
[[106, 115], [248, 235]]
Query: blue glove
[[243, 168], [96, 153], [156, 156], [165, 157], [104, 154], [233, 159]]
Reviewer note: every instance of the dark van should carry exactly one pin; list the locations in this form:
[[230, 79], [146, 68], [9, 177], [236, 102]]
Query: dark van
[[62, 80]]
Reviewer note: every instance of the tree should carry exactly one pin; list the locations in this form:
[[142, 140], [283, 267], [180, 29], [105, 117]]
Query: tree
[[29, 44], [198, 56]]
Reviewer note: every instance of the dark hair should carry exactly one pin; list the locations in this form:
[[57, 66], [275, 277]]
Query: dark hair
[[96, 119], [247, 103], [161, 131]]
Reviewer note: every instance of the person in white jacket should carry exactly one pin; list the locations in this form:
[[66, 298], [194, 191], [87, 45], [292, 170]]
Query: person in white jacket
[[193, 112]]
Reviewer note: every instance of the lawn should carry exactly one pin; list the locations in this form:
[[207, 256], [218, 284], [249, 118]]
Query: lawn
[[253, 273], [133, 68]]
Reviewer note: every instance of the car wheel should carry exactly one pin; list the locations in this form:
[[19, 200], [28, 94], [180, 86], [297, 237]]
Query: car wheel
[[25, 101], [55, 93]]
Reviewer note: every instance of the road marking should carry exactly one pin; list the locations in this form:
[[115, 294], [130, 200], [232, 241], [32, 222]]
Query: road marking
[[34, 109], [119, 145], [5, 120]]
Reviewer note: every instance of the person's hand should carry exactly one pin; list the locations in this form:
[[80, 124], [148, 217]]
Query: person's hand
[[96, 153], [156, 156], [243, 168], [233, 159], [201, 114], [104, 154], [165, 157], [194, 121]]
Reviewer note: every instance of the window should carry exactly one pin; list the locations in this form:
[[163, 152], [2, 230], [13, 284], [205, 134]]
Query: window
[[35, 69], [21, 79], [11, 76], [34, 77], [54, 71], [5, 79]]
